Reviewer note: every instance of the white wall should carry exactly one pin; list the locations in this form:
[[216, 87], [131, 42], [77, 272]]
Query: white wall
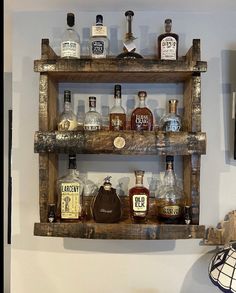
[[59, 265]]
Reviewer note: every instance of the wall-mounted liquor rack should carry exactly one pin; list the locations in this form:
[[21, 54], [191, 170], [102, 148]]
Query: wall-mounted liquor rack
[[190, 143]]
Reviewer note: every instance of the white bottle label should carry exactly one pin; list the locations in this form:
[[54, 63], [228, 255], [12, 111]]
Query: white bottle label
[[92, 127], [70, 201], [172, 126], [70, 49], [139, 202], [99, 31], [168, 48]]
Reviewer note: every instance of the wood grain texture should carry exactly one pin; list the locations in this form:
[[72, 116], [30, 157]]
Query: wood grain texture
[[224, 233], [136, 143]]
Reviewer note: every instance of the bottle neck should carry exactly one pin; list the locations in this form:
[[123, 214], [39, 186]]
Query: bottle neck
[[117, 102], [167, 28], [142, 102], [92, 105], [72, 164], [169, 178], [173, 108], [139, 180], [67, 106]]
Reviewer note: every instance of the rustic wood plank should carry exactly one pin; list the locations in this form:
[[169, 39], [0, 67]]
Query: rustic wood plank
[[224, 233], [136, 143]]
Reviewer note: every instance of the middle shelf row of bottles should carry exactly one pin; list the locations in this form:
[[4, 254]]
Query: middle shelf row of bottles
[[165, 200], [141, 117]]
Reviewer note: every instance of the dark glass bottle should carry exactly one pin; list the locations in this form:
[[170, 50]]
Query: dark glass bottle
[[139, 199], [129, 46], [168, 43], [141, 117]]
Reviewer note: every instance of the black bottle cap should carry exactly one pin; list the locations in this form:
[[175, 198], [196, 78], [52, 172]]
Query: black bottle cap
[[142, 94], [117, 89], [67, 96], [70, 19], [92, 99], [99, 19], [168, 21], [129, 13], [169, 158], [72, 161]]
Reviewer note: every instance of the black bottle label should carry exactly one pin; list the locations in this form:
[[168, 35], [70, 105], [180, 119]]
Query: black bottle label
[[98, 47]]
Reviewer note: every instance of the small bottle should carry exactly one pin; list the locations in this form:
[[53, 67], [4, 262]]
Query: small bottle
[[93, 119], [70, 189], [117, 112], [170, 198], [67, 120], [129, 45], [171, 121], [139, 199], [168, 43], [141, 117], [99, 42], [70, 45]]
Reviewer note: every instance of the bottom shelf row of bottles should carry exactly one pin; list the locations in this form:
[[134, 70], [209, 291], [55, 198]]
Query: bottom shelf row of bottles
[[104, 205]]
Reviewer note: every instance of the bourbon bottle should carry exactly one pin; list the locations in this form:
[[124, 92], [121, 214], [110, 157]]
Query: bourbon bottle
[[168, 43], [139, 199], [117, 112], [141, 117]]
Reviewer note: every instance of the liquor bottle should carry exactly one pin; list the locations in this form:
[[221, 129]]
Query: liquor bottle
[[70, 192], [67, 119], [99, 42], [117, 112], [93, 119], [70, 45], [168, 43], [171, 121], [139, 199], [170, 198], [129, 45], [141, 117]]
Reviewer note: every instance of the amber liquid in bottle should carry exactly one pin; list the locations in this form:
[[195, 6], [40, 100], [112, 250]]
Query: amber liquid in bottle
[[141, 117], [139, 199]]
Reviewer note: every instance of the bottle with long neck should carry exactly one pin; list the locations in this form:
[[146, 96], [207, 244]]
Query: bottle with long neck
[[129, 45], [117, 112], [70, 44], [70, 192], [142, 117], [171, 121], [168, 43], [67, 119], [93, 119]]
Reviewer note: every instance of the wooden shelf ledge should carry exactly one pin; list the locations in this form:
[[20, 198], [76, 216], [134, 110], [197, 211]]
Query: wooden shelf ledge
[[102, 142], [122, 230]]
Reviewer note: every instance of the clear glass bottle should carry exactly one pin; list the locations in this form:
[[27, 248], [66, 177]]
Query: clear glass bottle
[[99, 43], [117, 112], [170, 199], [93, 119], [139, 199], [70, 191], [142, 117], [70, 44], [67, 119], [168, 43], [129, 45], [171, 121]]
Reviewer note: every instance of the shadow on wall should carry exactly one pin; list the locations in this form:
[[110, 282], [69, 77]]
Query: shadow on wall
[[228, 58]]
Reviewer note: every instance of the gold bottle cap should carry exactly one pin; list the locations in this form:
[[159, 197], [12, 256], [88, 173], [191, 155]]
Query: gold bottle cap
[[173, 105]]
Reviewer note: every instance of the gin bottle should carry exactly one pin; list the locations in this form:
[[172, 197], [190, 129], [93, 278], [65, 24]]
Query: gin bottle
[[70, 45], [70, 190], [93, 119], [171, 121], [67, 119], [129, 45], [117, 112], [139, 199], [99, 42], [168, 43], [141, 117], [170, 198]]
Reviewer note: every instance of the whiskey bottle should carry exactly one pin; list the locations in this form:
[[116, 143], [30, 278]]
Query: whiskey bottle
[[170, 198], [93, 119], [67, 120], [70, 45], [129, 45], [141, 117], [168, 43], [139, 199], [99, 42], [117, 112], [171, 121], [70, 192]]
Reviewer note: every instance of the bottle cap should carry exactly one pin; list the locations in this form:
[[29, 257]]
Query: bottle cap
[[117, 91], [92, 102], [169, 158], [72, 161], [70, 19], [99, 19], [142, 94], [139, 172], [67, 96], [168, 21], [129, 13], [117, 87]]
